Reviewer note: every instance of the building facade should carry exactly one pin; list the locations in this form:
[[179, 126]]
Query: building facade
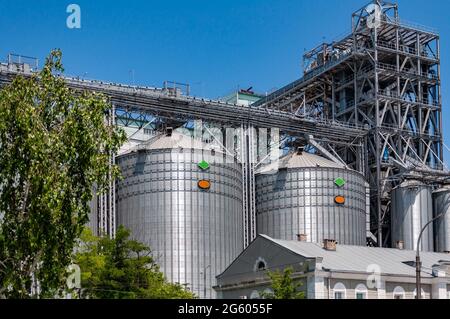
[[333, 271]]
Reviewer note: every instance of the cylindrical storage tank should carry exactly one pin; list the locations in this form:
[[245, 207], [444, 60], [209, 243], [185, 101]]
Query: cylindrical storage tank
[[305, 194], [191, 230], [441, 205], [411, 209]]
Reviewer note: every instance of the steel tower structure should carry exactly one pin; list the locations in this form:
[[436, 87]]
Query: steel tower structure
[[384, 78]]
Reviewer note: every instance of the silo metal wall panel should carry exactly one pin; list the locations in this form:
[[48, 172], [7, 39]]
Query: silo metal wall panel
[[187, 228], [411, 209], [301, 201], [441, 204], [93, 213]]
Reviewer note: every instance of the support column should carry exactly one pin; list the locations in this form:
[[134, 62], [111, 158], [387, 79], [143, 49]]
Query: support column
[[439, 98], [377, 143], [248, 157]]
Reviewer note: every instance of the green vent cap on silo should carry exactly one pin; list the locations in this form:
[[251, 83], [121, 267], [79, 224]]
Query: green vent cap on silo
[[203, 165], [339, 181]]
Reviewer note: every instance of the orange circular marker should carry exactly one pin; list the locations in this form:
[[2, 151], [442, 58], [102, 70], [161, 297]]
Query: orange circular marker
[[339, 200], [204, 184]]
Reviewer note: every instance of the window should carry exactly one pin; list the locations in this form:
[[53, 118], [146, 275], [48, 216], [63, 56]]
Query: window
[[360, 295], [254, 295], [339, 291], [261, 265], [361, 291], [399, 293], [422, 294], [338, 295]]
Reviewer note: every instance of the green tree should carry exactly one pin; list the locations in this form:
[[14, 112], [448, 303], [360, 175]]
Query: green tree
[[122, 268], [54, 146], [283, 286]]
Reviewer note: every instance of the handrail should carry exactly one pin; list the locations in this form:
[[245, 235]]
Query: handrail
[[391, 94], [391, 67], [415, 26], [307, 76], [403, 48]]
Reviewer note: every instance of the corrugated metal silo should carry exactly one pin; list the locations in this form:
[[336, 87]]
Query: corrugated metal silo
[[441, 205], [411, 209], [93, 214], [299, 195], [190, 230]]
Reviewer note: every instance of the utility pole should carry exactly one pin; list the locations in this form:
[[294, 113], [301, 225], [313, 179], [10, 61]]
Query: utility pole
[[418, 262]]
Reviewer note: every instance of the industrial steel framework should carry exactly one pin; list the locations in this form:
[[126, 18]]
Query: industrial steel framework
[[384, 78], [138, 107], [370, 101]]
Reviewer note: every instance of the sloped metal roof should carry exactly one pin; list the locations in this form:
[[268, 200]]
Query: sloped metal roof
[[176, 141], [295, 160], [348, 258]]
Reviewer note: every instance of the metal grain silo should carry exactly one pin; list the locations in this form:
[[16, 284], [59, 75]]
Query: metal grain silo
[[93, 214], [411, 209], [189, 229], [305, 194], [441, 205]]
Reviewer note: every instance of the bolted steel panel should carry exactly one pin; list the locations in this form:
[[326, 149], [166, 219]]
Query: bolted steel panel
[[189, 230], [411, 210], [300, 200], [441, 205]]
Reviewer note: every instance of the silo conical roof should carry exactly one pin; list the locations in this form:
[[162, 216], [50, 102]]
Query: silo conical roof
[[296, 160], [176, 140]]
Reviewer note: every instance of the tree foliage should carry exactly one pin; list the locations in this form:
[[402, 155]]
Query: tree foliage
[[283, 286], [122, 268], [54, 146]]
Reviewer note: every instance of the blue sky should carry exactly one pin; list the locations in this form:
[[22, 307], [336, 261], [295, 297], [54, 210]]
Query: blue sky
[[215, 46]]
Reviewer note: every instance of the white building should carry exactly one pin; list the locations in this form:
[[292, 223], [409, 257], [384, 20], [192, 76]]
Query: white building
[[333, 271]]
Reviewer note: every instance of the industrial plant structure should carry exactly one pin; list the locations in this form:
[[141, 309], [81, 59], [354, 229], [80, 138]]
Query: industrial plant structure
[[360, 143]]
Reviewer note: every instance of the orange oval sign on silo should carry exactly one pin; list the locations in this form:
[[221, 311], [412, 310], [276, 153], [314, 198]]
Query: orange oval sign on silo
[[339, 200], [204, 184]]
